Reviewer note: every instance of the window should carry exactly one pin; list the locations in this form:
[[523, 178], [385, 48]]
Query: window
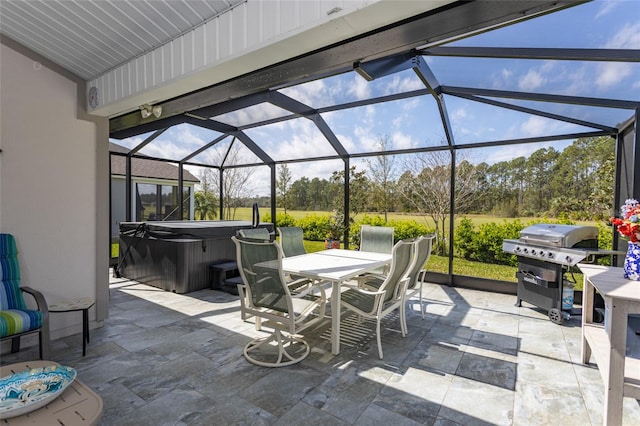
[[160, 202]]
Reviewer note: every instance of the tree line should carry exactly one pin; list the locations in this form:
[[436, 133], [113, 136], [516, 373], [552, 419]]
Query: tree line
[[576, 183]]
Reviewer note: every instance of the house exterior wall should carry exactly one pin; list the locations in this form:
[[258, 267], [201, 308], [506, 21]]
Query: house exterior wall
[[118, 204], [53, 184]]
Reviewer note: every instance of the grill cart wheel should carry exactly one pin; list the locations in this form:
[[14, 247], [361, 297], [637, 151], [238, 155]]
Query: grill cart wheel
[[555, 315]]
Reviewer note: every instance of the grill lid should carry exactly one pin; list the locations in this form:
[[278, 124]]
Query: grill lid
[[548, 235]]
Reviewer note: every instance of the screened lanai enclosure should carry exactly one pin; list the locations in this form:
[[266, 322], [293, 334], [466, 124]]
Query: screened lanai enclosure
[[478, 82]]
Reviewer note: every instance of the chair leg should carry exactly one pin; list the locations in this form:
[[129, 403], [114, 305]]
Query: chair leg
[[403, 317], [403, 321], [45, 338], [422, 308], [44, 344], [283, 342], [379, 339], [15, 344]]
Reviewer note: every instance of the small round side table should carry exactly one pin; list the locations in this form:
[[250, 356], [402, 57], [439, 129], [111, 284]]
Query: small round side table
[[83, 304]]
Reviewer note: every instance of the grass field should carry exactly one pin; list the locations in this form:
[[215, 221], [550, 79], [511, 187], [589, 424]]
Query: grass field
[[462, 267], [245, 213], [436, 263]]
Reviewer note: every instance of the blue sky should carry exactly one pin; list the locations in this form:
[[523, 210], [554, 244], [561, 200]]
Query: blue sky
[[415, 122]]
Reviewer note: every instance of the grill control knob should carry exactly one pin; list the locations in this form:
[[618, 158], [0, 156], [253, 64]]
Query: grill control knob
[[568, 259], [550, 254], [526, 250], [533, 252], [541, 253]]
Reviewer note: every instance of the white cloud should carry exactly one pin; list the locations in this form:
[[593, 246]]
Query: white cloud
[[496, 155], [366, 138], [315, 169], [408, 84], [606, 6], [534, 126], [531, 81], [398, 121], [401, 141], [411, 104], [502, 78], [347, 142], [315, 93], [399, 83], [628, 37], [300, 139], [460, 114], [612, 73], [359, 88]]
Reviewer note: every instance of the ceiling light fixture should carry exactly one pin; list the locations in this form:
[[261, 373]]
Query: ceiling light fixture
[[147, 110]]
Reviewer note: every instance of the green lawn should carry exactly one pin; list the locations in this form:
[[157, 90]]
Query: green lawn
[[441, 264], [436, 263], [463, 267], [245, 213]]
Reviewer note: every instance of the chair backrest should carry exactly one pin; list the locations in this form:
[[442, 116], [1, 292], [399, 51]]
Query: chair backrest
[[423, 252], [291, 240], [10, 293], [260, 265], [377, 239], [402, 259], [255, 233]]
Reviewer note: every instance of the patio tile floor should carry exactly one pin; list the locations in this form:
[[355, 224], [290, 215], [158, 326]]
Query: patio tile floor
[[476, 359]]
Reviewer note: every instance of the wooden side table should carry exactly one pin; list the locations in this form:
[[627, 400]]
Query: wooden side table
[[608, 342], [77, 405], [83, 304]]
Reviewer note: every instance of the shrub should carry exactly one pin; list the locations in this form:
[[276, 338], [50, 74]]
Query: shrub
[[403, 229], [485, 244], [371, 220], [283, 219], [605, 242], [315, 227], [488, 242], [465, 238]]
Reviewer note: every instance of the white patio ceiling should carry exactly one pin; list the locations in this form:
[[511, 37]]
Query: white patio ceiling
[[89, 38]]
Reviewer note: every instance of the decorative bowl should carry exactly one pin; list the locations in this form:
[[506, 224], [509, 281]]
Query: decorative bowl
[[28, 390]]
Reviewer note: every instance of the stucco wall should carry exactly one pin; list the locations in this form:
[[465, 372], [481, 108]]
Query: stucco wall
[[49, 185]]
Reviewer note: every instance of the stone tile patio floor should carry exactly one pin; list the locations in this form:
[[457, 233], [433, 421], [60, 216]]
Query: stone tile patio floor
[[476, 359]]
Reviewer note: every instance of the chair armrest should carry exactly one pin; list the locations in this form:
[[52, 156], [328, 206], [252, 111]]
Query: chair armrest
[[362, 280], [363, 290], [39, 298], [310, 286]]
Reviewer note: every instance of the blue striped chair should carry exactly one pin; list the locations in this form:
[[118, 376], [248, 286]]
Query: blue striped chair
[[16, 319]]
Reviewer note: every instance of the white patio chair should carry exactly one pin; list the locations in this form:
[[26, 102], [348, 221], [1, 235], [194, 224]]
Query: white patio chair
[[266, 296], [383, 297], [423, 247]]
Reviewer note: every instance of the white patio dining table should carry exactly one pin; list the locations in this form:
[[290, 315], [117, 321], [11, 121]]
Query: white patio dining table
[[336, 266]]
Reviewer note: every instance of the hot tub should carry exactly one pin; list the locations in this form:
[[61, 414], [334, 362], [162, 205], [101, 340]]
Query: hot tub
[[175, 255]]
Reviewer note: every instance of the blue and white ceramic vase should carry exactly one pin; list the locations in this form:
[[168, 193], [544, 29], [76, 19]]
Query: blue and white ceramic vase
[[632, 262]]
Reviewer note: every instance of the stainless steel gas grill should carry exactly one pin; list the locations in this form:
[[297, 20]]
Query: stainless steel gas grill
[[545, 252]]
